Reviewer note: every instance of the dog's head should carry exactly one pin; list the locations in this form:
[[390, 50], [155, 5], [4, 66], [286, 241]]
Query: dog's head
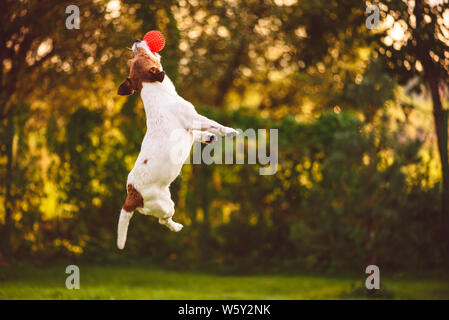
[[145, 66]]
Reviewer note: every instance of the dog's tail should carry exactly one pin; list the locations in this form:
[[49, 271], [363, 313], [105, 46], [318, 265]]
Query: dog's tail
[[122, 231], [133, 200]]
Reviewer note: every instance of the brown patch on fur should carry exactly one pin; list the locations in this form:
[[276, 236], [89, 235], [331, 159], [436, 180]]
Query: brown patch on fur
[[145, 161], [143, 68], [133, 200]]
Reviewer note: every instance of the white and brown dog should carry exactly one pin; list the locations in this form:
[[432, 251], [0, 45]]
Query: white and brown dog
[[172, 126]]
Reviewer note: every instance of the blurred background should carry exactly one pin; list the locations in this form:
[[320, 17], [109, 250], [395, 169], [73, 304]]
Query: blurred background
[[363, 175]]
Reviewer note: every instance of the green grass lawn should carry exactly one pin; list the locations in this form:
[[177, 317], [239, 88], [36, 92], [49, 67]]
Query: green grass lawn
[[26, 282]]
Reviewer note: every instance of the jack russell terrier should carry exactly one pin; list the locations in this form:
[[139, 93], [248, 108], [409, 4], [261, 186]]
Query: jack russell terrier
[[172, 126]]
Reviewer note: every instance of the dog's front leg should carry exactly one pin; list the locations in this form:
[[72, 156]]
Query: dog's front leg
[[200, 122], [192, 120], [204, 136]]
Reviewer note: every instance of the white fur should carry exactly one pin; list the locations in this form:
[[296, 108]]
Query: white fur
[[172, 126]]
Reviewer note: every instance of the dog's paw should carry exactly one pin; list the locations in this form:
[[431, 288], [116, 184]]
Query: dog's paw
[[209, 138], [176, 227], [229, 132]]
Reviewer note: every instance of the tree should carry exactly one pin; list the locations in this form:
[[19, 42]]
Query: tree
[[422, 52], [37, 50]]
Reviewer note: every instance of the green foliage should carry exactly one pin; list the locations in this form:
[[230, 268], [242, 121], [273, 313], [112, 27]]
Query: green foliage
[[338, 200]]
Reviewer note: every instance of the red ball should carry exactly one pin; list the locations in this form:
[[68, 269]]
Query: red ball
[[155, 40]]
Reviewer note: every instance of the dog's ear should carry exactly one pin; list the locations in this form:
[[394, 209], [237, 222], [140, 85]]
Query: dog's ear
[[155, 75], [160, 76], [126, 88]]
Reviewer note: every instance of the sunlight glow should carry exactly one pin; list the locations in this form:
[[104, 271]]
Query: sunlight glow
[[45, 47], [113, 8], [397, 33], [286, 3]]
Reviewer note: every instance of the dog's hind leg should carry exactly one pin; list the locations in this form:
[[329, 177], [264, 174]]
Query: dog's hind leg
[[133, 200], [167, 209]]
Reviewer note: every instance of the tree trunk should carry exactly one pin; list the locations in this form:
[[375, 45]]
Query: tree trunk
[[225, 83], [239, 57], [440, 118], [8, 202]]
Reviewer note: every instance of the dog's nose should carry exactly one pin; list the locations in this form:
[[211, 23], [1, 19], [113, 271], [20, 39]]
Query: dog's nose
[[137, 41]]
